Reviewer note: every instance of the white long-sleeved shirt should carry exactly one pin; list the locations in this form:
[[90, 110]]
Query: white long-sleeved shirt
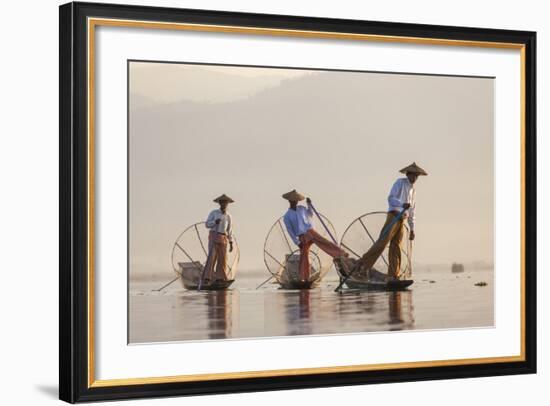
[[225, 225], [402, 192], [298, 221]]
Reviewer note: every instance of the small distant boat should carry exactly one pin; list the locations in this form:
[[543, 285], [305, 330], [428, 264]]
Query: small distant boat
[[370, 280], [189, 256], [282, 257], [457, 268]]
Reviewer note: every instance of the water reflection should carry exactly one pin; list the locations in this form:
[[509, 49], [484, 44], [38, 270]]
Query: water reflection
[[217, 314], [234, 314], [400, 310], [204, 315], [297, 307], [270, 312], [321, 312], [222, 312]]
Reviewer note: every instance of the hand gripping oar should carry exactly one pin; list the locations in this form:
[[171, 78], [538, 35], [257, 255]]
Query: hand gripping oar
[[385, 231]]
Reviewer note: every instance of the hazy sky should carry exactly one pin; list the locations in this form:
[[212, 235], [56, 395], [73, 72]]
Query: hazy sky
[[254, 133], [170, 82]]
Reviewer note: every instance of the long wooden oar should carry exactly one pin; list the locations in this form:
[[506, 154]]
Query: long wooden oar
[[322, 222], [382, 235], [169, 283], [272, 275], [410, 259], [372, 239], [408, 272], [264, 282], [207, 263]]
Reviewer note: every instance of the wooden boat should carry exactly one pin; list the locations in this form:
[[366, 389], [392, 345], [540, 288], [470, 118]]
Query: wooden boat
[[189, 256], [190, 274], [371, 280], [282, 257]]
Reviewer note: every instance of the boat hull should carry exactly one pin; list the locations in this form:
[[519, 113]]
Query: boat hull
[[370, 280], [396, 285], [216, 285], [297, 284], [190, 274]]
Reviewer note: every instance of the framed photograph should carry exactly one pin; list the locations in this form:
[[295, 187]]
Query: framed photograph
[[257, 202]]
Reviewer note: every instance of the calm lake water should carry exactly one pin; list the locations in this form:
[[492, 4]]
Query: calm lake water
[[436, 300]]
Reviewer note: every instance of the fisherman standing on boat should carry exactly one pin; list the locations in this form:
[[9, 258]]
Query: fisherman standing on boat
[[298, 224], [401, 202], [220, 224]]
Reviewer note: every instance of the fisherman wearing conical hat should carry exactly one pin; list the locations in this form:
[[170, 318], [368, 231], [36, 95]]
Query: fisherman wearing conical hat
[[220, 224], [297, 220], [401, 201]]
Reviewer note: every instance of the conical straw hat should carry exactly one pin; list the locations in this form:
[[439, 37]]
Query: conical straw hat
[[293, 196], [414, 168], [223, 198]]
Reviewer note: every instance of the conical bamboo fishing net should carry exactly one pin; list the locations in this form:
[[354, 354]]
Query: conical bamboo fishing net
[[190, 251], [362, 233], [282, 256]]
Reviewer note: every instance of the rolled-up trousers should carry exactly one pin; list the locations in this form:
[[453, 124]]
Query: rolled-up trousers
[[216, 262], [313, 237], [392, 236]]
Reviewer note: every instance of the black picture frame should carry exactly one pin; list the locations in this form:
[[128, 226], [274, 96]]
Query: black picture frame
[[74, 385]]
